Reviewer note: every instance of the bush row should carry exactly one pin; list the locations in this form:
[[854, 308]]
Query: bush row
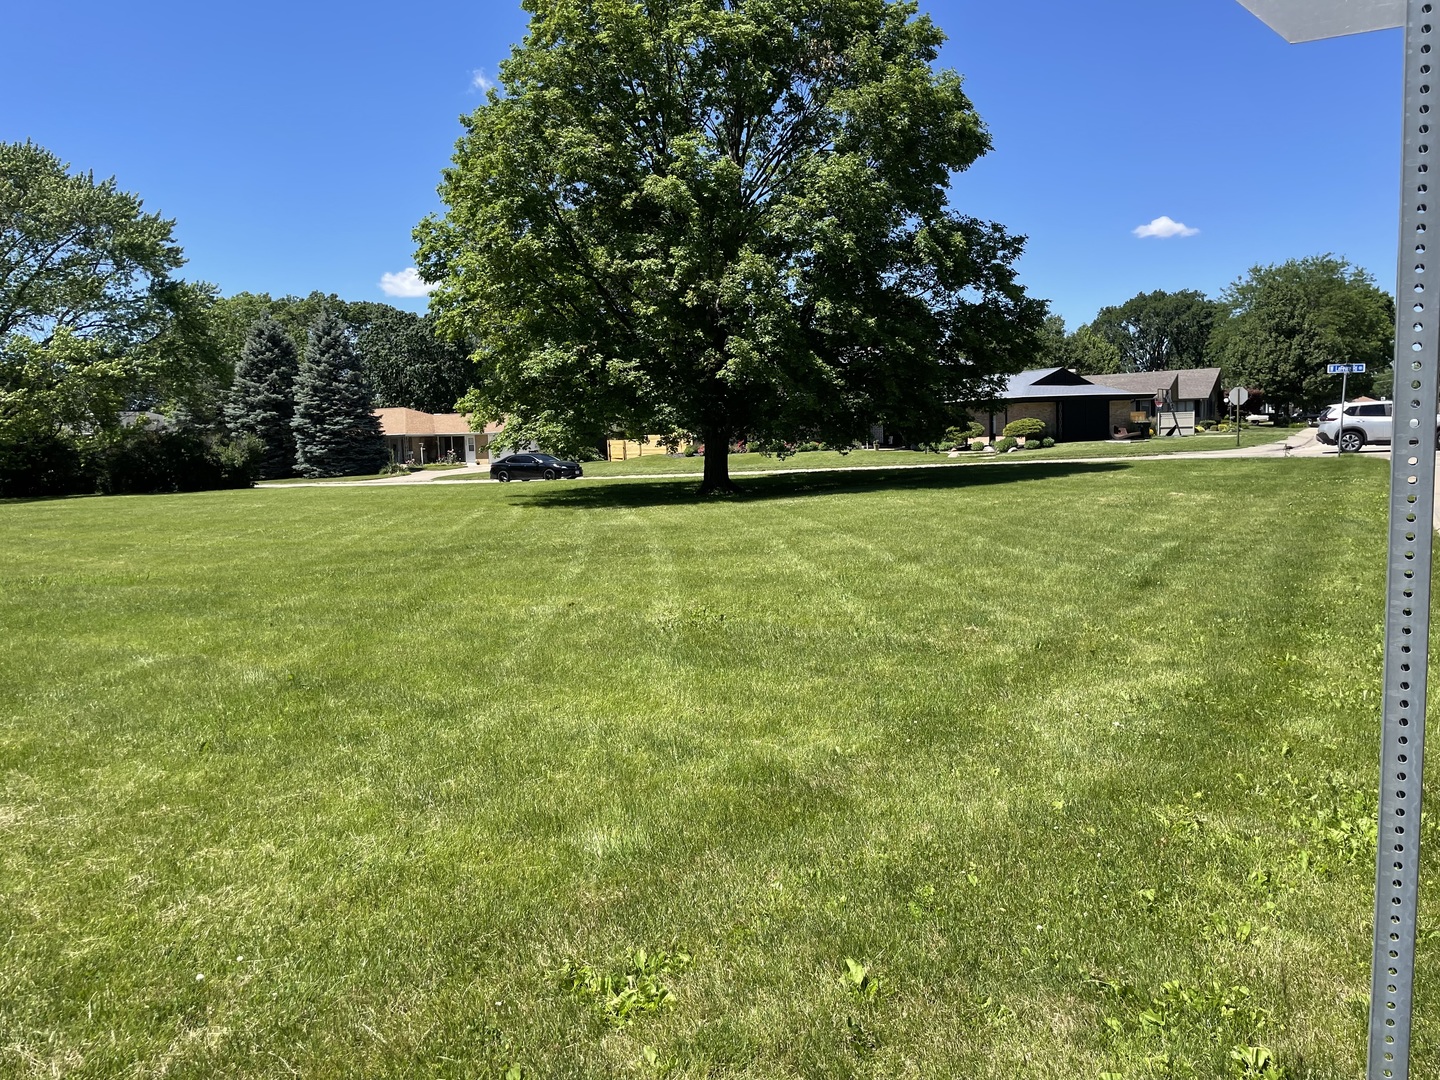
[[129, 461]]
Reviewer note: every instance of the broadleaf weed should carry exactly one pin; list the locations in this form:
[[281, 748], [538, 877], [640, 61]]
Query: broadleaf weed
[[621, 996]]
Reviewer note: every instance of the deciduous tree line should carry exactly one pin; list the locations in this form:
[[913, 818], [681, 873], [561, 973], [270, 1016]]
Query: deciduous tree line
[[1274, 331]]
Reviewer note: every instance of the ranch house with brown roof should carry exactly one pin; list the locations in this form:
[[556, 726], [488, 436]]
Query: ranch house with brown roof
[[424, 438]]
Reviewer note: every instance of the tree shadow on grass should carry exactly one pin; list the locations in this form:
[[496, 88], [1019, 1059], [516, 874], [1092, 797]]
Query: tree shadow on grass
[[684, 491]]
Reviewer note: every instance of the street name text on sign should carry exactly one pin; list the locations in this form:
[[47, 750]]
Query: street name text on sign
[[1346, 369], [1412, 508]]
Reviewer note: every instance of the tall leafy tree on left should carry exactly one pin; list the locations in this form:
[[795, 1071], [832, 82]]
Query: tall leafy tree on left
[[261, 402], [92, 319]]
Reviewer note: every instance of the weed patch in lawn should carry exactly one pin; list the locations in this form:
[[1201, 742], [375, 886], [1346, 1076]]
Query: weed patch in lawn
[[638, 987]]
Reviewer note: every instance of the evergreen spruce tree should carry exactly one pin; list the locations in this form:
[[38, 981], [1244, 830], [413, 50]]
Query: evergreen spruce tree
[[262, 398], [336, 430]]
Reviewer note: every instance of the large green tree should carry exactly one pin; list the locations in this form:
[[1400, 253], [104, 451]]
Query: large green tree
[[233, 316], [1051, 344], [728, 217], [1284, 323], [261, 402], [87, 281], [1089, 353], [336, 430], [407, 365], [1158, 331]]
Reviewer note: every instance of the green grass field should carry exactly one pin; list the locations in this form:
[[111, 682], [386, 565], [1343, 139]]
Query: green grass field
[[1048, 771], [662, 464]]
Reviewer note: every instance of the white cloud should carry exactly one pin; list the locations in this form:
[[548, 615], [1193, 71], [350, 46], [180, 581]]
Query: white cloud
[[1163, 228], [480, 81], [406, 283]]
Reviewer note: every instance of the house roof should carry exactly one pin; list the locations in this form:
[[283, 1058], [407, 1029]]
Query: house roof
[[413, 422], [1187, 384], [1048, 384], [1146, 384], [1199, 382]]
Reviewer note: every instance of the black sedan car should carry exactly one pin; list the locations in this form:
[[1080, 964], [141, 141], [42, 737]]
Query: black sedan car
[[534, 467]]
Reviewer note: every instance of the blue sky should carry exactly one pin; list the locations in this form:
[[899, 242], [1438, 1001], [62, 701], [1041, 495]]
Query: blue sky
[[298, 144]]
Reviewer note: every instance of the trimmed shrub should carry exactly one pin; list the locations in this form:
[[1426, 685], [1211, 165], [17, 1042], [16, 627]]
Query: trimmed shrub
[[808, 448], [1005, 445], [958, 438], [1046, 443], [1027, 427]]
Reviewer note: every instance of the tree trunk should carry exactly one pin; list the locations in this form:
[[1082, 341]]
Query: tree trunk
[[717, 465]]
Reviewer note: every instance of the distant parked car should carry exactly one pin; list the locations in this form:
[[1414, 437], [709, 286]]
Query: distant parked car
[[534, 467]]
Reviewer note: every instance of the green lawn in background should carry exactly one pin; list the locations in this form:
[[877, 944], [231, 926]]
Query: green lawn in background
[[664, 464], [1049, 771], [324, 480]]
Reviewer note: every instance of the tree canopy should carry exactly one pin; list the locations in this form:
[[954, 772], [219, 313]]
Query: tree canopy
[[406, 363], [1091, 354], [726, 218], [92, 322], [1283, 324], [1158, 331], [261, 402], [408, 366], [86, 277], [336, 430]]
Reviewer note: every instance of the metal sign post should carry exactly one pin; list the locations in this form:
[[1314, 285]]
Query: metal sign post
[[1344, 371], [1412, 504], [1237, 397]]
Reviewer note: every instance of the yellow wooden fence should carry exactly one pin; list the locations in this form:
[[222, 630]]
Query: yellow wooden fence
[[625, 449]]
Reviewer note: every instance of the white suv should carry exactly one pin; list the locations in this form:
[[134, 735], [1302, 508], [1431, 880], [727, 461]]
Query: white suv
[[1363, 422]]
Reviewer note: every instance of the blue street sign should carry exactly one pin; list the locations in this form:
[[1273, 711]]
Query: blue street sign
[[1345, 369]]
